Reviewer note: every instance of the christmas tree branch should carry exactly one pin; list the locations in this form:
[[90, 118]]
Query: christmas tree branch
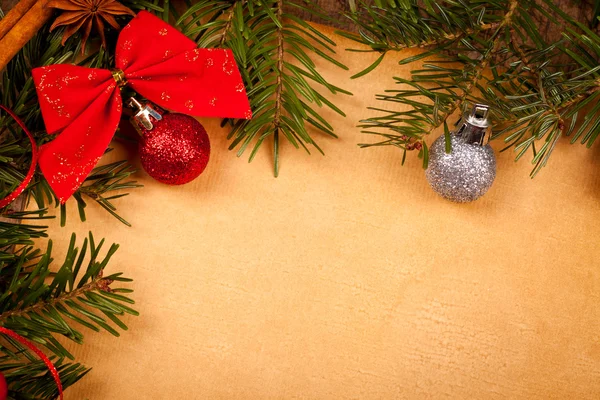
[[71, 288], [464, 83], [480, 68], [547, 100], [533, 98], [97, 284], [385, 44], [279, 85], [31, 380], [227, 26], [443, 40], [40, 301], [274, 51], [419, 25]]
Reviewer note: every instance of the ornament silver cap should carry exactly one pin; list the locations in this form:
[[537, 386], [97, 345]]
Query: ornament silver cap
[[475, 125], [144, 116]]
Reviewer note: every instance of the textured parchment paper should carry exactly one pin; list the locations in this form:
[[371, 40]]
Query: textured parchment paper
[[348, 278]]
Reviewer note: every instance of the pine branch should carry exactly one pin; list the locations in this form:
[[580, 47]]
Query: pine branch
[[416, 26], [509, 67], [227, 25], [546, 104], [479, 68], [31, 380], [279, 86], [39, 304], [97, 284], [448, 90], [400, 25], [274, 50]]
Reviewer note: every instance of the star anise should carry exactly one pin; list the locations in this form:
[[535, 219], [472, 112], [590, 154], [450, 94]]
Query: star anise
[[83, 14]]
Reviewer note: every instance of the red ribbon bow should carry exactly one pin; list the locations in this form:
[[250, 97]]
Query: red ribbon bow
[[83, 105]]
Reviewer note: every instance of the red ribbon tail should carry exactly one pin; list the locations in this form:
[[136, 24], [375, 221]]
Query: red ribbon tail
[[34, 156], [40, 354]]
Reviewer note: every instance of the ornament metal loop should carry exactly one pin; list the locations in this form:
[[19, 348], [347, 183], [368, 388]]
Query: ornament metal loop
[[474, 125], [119, 77], [144, 115]]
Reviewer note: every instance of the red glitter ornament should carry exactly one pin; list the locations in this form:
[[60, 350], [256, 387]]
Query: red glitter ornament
[[174, 148], [3, 387]]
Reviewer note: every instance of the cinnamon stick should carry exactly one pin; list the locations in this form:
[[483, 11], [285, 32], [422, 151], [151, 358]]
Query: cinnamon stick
[[14, 15], [23, 31]]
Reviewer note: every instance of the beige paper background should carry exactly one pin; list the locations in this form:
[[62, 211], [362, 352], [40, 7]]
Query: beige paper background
[[348, 278]]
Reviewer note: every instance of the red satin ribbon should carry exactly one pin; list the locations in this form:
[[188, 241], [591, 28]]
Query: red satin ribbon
[[39, 353], [82, 106], [34, 156]]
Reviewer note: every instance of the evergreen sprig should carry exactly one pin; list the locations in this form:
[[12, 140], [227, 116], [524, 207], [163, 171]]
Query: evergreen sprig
[[274, 50], [491, 52], [32, 380], [41, 302]]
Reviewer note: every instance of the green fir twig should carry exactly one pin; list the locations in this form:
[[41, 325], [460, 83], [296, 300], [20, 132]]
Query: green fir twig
[[491, 52]]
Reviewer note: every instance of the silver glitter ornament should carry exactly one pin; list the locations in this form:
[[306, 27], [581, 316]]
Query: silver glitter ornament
[[468, 171]]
